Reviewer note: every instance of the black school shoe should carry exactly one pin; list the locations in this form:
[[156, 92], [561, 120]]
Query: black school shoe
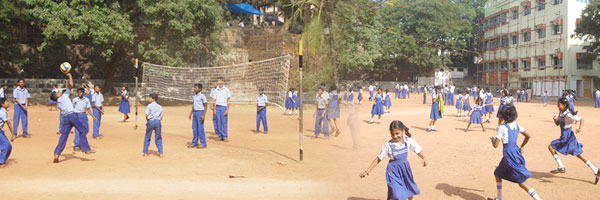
[[597, 176]]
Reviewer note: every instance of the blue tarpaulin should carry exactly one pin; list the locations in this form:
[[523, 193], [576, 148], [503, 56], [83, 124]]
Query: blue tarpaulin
[[243, 8]]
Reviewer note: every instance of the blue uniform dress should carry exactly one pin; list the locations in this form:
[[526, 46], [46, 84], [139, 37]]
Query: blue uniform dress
[[476, 115], [261, 103], [295, 97], [502, 101], [288, 102], [546, 98], [333, 111], [459, 103], [351, 97], [387, 102], [124, 105], [199, 100], [399, 176], [345, 96], [80, 106], [526, 96], [571, 106], [435, 110], [597, 102], [20, 94], [360, 98], [425, 97], [70, 120], [154, 112], [5, 146], [467, 105], [378, 106], [371, 88], [512, 166], [567, 144], [488, 100]]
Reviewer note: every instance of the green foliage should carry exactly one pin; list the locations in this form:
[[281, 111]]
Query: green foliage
[[423, 33], [588, 30], [181, 31]]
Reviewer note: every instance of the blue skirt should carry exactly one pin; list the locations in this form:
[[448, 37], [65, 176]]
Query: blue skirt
[[567, 144], [289, 103], [467, 105], [512, 167], [333, 111], [399, 177], [360, 98], [475, 117], [52, 102], [387, 102], [435, 111], [489, 109], [345, 96], [351, 97], [459, 104], [124, 106], [377, 109], [546, 98], [297, 104], [499, 109]]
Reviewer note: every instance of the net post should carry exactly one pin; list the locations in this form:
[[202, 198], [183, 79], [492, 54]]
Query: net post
[[137, 93], [301, 99]]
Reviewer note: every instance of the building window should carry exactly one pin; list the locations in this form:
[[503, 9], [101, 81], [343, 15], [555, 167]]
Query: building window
[[541, 62], [556, 29], [541, 33], [526, 65], [556, 2], [583, 1], [526, 36], [541, 5], [515, 39], [503, 18], [556, 61], [515, 14], [515, 66], [485, 46], [504, 65], [526, 10], [504, 41], [492, 67], [584, 63]]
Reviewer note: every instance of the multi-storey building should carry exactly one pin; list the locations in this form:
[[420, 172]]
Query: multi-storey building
[[528, 43]]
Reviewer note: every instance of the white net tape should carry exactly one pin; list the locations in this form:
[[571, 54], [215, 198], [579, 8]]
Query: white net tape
[[243, 80]]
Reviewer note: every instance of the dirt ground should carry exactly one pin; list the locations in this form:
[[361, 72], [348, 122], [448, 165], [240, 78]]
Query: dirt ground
[[266, 166]]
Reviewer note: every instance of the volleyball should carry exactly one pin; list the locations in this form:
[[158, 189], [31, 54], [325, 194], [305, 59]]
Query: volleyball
[[65, 67]]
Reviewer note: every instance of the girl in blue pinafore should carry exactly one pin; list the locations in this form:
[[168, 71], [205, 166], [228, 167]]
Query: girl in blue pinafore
[[467, 104], [387, 103], [333, 110], [546, 98], [351, 96], [425, 95], [459, 104], [296, 106], [399, 176], [124, 105], [476, 115], [571, 98], [377, 107], [346, 97], [435, 109], [512, 166], [289, 102], [360, 93], [489, 105], [567, 144], [504, 100]]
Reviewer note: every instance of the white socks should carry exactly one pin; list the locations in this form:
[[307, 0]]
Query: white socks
[[560, 164], [499, 187], [533, 194], [589, 163]]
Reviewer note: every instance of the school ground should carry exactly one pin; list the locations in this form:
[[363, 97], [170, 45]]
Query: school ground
[[266, 166]]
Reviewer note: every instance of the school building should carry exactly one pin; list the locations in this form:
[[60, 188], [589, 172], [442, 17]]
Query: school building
[[527, 43]]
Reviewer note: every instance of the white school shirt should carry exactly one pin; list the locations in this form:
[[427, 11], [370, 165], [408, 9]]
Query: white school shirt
[[54, 90], [221, 96], [406, 87], [467, 97], [321, 101], [459, 97], [262, 100], [154, 111], [290, 94], [2, 93], [569, 118], [597, 93], [81, 104], [546, 94], [212, 93], [21, 94], [64, 104], [3, 117], [482, 95], [452, 88], [125, 93], [386, 149], [199, 101], [371, 88], [98, 99], [397, 86], [503, 132]]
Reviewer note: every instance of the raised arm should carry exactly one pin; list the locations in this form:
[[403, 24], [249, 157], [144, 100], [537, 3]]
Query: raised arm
[[70, 85]]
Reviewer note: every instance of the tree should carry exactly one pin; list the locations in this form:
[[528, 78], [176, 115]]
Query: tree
[[587, 29], [167, 32], [421, 35]]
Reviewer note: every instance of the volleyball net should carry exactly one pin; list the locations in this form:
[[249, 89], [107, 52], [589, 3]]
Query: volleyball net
[[243, 80]]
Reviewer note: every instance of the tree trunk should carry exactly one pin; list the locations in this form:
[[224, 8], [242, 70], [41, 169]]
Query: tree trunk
[[112, 70]]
